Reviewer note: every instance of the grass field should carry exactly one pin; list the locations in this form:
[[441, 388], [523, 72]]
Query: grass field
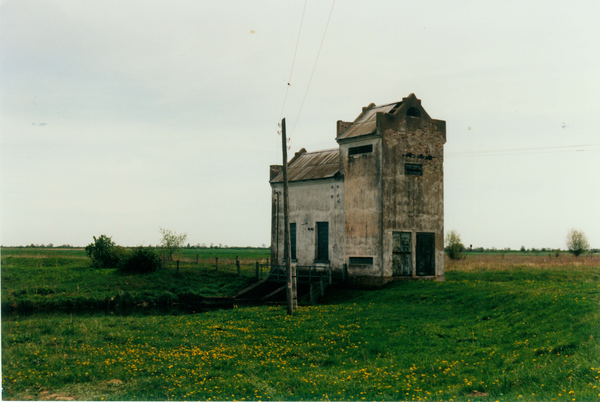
[[498, 329], [61, 279]]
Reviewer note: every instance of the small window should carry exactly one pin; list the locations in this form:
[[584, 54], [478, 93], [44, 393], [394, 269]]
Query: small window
[[293, 240], [413, 111], [361, 260], [364, 149], [413, 169]]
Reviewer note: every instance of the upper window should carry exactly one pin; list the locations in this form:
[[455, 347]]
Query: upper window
[[413, 169], [363, 149], [413, 111]]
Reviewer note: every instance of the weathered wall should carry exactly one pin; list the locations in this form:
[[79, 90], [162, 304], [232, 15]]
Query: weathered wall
[[362, 197], [375, 198], [310, 202], [412, 203]]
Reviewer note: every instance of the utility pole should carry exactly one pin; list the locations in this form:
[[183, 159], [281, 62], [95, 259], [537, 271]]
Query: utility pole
[[292, 301]]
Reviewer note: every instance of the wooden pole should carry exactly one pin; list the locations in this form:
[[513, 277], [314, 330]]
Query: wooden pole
[[216, 263], [286, 225], [237, 264]]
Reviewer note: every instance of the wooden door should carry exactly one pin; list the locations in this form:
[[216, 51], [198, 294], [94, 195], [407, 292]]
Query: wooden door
[[425, 254], [401, 254]]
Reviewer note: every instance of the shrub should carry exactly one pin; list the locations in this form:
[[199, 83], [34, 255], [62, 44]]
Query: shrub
[[104, 253], [142, 260], [577, 242], [171, 241], [454, 246]]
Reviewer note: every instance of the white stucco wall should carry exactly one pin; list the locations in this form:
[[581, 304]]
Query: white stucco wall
[[310, 202]]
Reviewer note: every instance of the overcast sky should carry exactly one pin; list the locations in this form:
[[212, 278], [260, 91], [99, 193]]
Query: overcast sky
[[120, 117]]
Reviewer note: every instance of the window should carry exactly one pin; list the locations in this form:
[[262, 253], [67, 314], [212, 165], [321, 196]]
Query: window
[[413, 111], [293, 240], [413, 169], [322, 241], [361, 260], [363, 149]]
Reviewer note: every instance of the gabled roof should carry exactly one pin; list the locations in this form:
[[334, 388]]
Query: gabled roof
[[366, 122], [312, 166]]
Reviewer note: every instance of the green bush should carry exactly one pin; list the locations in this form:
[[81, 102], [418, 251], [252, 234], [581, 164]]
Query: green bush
[[104, 253], [454, 247], [577, 242], [142, 260]]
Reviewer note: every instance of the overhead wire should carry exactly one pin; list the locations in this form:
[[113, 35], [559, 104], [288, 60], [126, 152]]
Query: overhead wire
[[314, 67], [293, 61], [525, 151]]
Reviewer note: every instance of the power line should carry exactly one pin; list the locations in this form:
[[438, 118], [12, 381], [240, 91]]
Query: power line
[[526, 151], [293, 61], [314, 67]]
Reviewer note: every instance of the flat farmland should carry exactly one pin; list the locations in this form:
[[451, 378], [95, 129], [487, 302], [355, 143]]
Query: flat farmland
[[522, 327]]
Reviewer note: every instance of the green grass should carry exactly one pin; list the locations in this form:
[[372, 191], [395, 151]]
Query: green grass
[[521, 333], [61, 279]]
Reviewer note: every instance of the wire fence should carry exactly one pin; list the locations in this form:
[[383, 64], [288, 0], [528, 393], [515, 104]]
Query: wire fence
[[246, 267]]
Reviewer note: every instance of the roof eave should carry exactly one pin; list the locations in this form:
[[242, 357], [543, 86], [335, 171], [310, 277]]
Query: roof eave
[[374, 134]]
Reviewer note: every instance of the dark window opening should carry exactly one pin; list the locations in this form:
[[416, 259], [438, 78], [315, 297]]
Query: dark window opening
[[361, 260], [413, 169], [322, 241], [364, 149], [413, 111], [293, 240]]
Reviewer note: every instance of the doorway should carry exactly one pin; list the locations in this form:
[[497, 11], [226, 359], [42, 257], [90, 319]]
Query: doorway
[[425, 254]]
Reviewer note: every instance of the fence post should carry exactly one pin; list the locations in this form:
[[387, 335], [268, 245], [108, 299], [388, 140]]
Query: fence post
[[177, 266], [256, 269], [196, 258], [237, 264], [330, 278], [216, 263], [344, 273]]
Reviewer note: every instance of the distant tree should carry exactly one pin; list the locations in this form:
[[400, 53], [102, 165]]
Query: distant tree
[[454, 246], [171, 241], [523, 249], [103, 252], [577, 242]]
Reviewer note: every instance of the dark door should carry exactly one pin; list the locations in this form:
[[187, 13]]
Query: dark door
[[401, 254], [293, 240], [425, 254], [322, 241]]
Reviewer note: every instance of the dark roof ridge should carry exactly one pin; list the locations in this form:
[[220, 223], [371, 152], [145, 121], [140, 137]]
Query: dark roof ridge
[[323, 150]]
